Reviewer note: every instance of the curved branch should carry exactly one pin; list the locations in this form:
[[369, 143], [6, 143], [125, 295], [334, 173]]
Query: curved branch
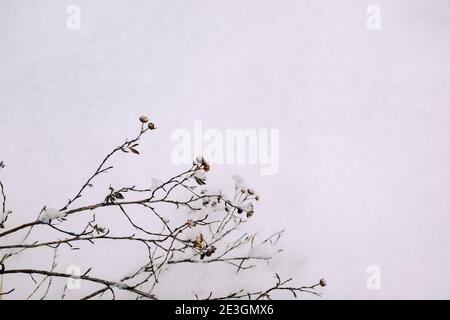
[[83, 277]]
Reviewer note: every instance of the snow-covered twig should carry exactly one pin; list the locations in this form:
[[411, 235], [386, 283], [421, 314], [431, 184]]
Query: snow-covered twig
[[208, 233]]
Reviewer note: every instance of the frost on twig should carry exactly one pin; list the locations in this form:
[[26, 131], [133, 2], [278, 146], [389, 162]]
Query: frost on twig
[[50, 214], [185, 224]]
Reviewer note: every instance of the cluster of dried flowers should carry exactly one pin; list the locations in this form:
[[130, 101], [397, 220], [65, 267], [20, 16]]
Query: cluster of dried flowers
[[211, 234]]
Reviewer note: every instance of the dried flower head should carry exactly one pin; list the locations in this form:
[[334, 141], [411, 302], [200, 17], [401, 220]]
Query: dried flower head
[[323, 282], [143, 119], [202, 163], [198, 242], [151, 126], [190, 223]]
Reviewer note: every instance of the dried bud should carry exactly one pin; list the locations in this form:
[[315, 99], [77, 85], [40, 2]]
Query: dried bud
[[250, 214], [151, 126], [190, 223], [257, 198], [323, 283], [206, 166], [208, 253], [143, 119], [239, 210]]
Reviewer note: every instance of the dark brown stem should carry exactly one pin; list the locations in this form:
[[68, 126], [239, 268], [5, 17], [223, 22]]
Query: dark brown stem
[[83, 277]]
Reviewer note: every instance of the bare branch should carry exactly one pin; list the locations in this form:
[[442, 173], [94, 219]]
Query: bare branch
[[216, 227]]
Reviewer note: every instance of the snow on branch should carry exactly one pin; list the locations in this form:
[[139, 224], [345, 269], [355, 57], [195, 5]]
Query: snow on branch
[[191, 225]]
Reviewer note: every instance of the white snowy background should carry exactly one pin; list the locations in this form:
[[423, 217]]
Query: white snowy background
[[364, 119]]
